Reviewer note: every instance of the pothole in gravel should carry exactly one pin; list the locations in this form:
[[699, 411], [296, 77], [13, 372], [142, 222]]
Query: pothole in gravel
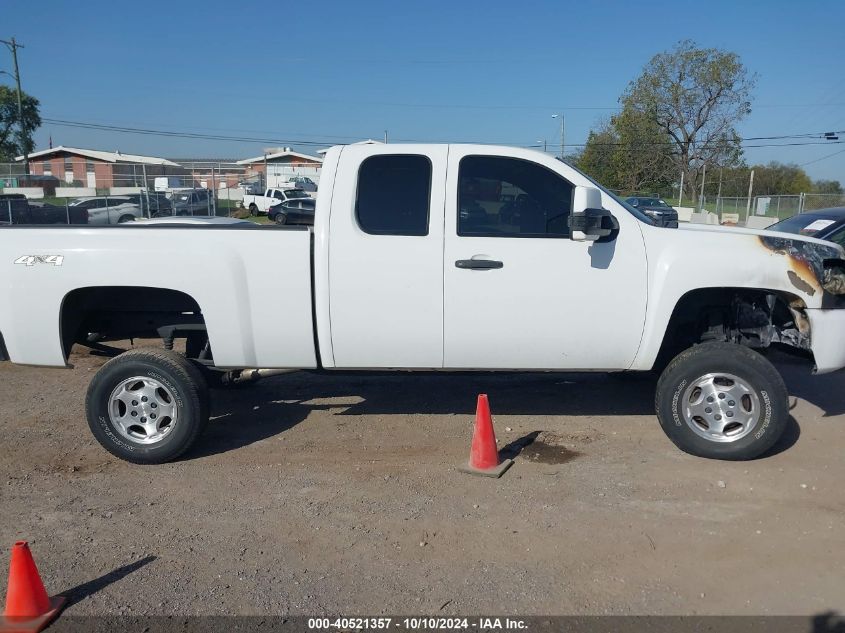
[[541, 447]]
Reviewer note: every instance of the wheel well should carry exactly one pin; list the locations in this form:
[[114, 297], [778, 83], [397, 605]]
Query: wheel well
[[748, 316], [112, 313]]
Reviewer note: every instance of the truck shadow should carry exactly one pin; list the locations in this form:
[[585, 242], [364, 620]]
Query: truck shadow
[[274, 405], [824, 392]]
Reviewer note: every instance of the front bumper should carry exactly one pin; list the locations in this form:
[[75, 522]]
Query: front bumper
[[827, 339]]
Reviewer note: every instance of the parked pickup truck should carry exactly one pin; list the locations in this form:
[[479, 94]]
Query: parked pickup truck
[[262, 203], [412, 265]]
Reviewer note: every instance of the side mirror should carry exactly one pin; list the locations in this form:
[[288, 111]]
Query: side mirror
[[588, 221]]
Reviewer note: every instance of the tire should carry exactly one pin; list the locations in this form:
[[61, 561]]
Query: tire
[[722, 401], [281, 218], [253, 209], [125, 218], [171, 383]]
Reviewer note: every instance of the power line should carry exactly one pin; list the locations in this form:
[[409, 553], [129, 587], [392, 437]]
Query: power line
[[822, 158], [806, 138]]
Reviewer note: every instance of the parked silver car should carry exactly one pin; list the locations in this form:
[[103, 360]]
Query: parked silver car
[[108, 209]]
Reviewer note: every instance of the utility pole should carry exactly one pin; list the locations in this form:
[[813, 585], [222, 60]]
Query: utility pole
[[14, 46], [703, 178], [750, 189], [562, 128], [385, 137], [681, 190]]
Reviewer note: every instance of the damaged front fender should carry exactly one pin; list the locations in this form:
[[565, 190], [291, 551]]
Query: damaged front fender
[[813, 268]]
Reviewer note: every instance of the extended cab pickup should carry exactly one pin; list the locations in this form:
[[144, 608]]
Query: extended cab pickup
[[273, 196], [420, 258]]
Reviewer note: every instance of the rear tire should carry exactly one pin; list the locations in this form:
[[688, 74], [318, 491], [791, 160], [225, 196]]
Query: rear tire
[[722, 401], [281, 218], [147, 406], [253, 209]]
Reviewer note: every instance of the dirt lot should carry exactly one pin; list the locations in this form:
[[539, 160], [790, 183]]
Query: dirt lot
[[338, 494]]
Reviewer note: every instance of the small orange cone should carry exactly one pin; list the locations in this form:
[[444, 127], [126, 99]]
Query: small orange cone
[[28, 607], [484, 454]]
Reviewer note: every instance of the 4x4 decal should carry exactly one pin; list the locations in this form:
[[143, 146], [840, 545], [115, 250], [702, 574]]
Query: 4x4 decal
[[31, 260]]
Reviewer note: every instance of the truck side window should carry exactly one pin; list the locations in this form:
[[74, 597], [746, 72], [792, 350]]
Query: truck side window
[[511, 197], [393, 194]]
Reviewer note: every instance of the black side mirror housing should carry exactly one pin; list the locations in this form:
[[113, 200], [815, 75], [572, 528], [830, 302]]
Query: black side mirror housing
[[598, 225]]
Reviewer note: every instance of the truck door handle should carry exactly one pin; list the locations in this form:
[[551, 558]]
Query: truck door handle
[[478, 264]]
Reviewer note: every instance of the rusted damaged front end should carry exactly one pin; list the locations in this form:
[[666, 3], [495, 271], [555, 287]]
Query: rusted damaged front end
[[817, 272], [813, 268]]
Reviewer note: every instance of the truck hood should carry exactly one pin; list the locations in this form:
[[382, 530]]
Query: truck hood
[[810, 258], [761, 233]]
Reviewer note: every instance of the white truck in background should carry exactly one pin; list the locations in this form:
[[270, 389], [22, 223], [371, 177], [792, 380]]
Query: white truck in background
[[419, 260], [261, 203]]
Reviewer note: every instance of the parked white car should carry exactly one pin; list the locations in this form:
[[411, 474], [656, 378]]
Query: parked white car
[[108, 209], [418, 260]]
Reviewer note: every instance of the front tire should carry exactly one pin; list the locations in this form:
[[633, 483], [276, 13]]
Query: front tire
[[147, 406], [722, 401], [281, 218]]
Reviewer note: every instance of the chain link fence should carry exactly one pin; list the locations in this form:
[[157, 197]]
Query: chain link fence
[[117, 193]]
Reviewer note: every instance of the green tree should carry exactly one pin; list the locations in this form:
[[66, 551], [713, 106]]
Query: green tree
[[777, 178], [628, 153], [596, 159], [827, 186], [696, 96], [12, 142]]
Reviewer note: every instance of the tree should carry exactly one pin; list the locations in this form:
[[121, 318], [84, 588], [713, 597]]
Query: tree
[[827, 186], [628, 153], [596, 159], [695, 96], [12, 142], [779, 179]]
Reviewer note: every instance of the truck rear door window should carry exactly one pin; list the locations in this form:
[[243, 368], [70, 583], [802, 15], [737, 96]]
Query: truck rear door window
[[511, 197], [393, 197]]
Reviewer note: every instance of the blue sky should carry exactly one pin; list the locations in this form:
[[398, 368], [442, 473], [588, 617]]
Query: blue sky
[[432, 71]]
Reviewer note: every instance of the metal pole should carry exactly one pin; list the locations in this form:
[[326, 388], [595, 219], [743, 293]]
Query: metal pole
[[385, 137], [681, 190], [14, 46], [67, 211], [562, 140], [703, 178], [719, 193], [750, 189]]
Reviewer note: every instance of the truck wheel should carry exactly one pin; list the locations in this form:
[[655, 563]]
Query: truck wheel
[[253, 209], [722, 401], [147, 406]]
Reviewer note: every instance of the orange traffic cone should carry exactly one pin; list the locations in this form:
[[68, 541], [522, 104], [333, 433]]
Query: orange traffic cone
[[28, 607], [484, 455]]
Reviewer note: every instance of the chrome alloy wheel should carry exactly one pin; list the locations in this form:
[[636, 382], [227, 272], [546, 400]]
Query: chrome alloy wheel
[[721, 407], [143, 410]]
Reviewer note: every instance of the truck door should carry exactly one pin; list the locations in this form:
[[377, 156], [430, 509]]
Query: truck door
[[519, 294], [386, 257]]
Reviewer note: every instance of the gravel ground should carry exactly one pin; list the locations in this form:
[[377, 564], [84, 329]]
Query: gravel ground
[[316, 494]]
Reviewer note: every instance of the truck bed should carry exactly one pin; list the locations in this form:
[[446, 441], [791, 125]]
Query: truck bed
[[253, 285]]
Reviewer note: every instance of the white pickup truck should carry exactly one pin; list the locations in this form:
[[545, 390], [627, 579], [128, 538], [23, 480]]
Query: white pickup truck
[[275, 195], [431, 257]]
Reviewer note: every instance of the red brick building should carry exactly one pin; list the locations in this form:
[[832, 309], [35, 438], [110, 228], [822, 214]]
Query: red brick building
[[93, 168]]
